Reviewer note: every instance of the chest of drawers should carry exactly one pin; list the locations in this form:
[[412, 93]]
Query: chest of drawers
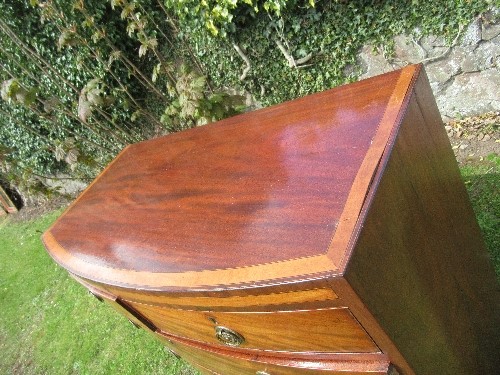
[[327, 235]]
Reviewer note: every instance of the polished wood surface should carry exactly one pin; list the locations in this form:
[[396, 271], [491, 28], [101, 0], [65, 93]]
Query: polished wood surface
[[222, 300], [269, 188], [419, 226], [6, 203], [238, 362], [330, 330], [332, 233]]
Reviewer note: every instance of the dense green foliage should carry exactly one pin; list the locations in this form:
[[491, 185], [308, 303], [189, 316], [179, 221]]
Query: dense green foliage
[[86, 78], [332, 32], [38, 133], [83, 78]]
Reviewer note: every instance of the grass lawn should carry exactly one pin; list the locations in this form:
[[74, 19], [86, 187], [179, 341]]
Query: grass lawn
[[483, 184], [50, 325]]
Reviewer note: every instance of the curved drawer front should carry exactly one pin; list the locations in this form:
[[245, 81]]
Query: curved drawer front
[[216, 362], [324, 330]]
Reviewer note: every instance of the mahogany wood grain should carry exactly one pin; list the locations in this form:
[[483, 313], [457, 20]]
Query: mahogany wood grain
[[333, 232], [267, 187], [437, 298], [221, 302], [238, 362], [332, 330], [314, 294], [6, 203]]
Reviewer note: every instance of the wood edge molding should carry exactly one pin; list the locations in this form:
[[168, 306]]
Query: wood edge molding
[[332, 262], [359, 310], [319, 361], [231, 301], [193, 279], [350, 216], [6, 203]]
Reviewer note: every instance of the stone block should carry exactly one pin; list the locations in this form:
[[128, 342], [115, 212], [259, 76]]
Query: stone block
[[373, 63], [473, 34], [471, 94], [406, 50]]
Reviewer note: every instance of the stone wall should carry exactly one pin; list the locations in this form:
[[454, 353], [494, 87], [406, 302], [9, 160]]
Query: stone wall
[[465, 77]]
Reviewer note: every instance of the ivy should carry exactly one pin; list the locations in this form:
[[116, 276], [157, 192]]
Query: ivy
[[332, 32], [83, 78]]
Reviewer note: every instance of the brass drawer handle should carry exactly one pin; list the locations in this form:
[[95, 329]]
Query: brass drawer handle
[[228, 336]]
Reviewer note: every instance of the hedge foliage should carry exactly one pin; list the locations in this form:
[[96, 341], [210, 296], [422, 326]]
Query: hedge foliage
[[83, 78]]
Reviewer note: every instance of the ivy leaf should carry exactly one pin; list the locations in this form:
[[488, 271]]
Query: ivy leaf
[[131, 28], [89, 22], [156, 72], [84, 108], [211, 27], [115, 55], [98, 35], [78, 5], [30, 97], [128, 9], [67, 38], [116, 3], [72, 158], [94, 97], [59, 152], [151, 43], [143, 49], [199, 83], [135, 115]]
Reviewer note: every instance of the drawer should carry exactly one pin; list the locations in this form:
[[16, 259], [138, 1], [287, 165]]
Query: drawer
[[230, 362], [323, 330]]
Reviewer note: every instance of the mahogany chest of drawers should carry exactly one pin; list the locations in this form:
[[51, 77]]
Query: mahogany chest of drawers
[[328, 235]]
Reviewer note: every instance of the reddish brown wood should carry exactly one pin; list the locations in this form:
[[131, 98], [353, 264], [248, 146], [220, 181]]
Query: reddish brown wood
[[6, 204], [230, 361], [420, 228], [335, 330], [266, 188], [332, 233]]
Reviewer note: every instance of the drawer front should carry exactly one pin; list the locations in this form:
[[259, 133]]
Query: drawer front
[[324, 330], [213, 362]]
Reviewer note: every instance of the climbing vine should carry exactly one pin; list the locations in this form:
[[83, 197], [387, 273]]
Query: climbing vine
[[81, 79], [307, 48]]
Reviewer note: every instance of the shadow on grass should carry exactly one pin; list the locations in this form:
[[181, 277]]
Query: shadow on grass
[[483, 185]]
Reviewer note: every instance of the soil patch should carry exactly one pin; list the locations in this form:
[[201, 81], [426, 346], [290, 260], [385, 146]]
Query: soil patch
[[475, 138]]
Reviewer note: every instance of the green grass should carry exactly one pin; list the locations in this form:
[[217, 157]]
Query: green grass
[[483, 181], [50, 325]]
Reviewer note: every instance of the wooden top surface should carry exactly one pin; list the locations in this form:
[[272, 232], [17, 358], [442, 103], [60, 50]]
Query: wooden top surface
[[255, 197]]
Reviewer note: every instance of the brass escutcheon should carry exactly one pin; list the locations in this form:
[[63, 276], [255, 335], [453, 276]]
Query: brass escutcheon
[[228, 336]]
